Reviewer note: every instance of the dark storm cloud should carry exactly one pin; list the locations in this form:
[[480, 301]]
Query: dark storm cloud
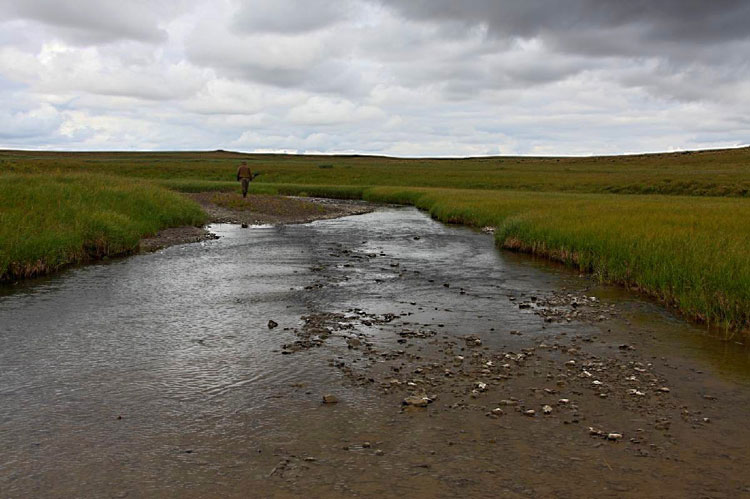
[[674, 21]]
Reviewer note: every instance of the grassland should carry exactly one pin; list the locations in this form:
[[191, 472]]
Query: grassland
[[675, 226], [706, 173]]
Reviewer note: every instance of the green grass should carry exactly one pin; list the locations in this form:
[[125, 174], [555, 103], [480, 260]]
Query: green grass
[[703, 173], [675, 226], [47, 222]]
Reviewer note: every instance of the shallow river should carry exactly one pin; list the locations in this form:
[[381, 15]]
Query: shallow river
[[158, 374]]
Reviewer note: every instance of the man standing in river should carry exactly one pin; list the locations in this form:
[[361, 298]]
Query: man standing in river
[[245, 176]]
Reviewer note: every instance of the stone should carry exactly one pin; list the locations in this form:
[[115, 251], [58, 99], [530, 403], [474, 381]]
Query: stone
[[416, 401], [530, 413], [366, 445], [379, 452], [330, 399], [272, 324], [614, 436], [664, 389], [497, 411], [546, 409]]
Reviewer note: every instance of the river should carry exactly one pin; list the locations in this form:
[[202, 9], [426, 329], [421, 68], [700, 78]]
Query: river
[[159, 375]]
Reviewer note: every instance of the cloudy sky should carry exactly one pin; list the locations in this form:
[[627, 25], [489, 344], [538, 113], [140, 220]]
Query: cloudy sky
[[396, 77]]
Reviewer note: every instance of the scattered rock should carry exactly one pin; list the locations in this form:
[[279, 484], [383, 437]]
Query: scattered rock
[[614, 436], [272, 324], [546, 409], [330, 399], [530, 413]]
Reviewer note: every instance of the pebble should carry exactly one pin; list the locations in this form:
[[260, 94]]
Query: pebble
[[531, 413], [379, 452], [497, 411], [330, 399], [547, 409], [614, 436], [272, 324]]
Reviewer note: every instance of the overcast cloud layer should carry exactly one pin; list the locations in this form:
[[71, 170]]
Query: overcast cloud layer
[[397, 77]]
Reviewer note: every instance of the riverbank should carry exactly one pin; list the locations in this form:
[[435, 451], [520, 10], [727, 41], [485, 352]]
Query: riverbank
[[253, 210], [690, 253]]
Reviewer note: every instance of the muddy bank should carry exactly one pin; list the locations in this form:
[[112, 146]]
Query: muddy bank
[[274, 210], [253, 210]]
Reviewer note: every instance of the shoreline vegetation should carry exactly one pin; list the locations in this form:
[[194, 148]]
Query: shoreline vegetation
[[675, 226]]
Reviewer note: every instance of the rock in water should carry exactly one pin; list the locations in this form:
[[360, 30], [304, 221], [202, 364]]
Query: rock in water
[[330, 399], [272, 324], [416, 401]]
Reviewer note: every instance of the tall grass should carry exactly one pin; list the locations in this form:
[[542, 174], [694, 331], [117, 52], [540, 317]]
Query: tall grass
[[49, 221]]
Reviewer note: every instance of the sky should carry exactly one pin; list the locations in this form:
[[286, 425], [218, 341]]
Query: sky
[[388, 77]]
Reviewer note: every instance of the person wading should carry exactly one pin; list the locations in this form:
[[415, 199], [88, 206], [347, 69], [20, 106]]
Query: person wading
[[244, 175]]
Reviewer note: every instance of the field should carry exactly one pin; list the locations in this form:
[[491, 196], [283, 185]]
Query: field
[[675, 226]]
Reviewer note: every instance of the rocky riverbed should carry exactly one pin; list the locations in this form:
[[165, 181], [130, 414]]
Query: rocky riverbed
[[374, 356]]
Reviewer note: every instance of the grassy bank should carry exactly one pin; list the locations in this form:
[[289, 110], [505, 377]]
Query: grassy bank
[[47, 222], [690, 253]]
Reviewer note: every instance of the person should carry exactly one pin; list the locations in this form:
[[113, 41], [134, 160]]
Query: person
[[244, 175]]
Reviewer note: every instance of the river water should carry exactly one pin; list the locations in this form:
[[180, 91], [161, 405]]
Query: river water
[[158, 374]]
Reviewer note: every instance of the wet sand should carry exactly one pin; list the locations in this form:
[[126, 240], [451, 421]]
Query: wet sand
[[192, 391]]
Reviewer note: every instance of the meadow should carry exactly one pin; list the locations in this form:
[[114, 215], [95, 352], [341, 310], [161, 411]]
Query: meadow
[[675, 226]]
